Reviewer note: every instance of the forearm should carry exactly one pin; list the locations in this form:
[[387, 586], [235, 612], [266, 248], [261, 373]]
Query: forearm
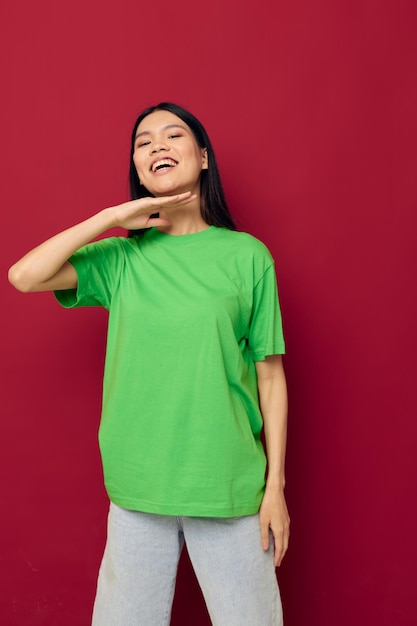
[[274, 405], [275, 427], [46, 267], [273, 514], [42, 263]]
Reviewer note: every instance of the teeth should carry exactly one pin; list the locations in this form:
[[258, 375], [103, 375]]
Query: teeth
[[158, 164]]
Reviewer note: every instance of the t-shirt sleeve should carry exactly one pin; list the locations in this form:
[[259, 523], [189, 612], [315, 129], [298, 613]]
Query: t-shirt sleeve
[[265, 331], [98, 266]]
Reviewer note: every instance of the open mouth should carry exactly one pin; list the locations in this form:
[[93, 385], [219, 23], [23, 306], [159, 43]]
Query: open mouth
[[163, 164]]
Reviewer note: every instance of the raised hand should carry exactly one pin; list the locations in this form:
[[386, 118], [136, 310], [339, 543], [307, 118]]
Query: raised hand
[[136, 214]]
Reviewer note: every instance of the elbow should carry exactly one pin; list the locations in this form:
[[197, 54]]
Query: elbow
[[18, 280]]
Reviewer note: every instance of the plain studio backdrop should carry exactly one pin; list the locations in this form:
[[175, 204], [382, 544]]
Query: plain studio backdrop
[[311, 107]]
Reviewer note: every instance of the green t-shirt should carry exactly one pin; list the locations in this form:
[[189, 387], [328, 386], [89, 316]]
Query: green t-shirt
[[188, 317]]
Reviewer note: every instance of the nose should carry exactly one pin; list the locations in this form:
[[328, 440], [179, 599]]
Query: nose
[[158, 145]]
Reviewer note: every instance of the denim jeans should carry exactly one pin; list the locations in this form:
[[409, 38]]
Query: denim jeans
[[137, 576]]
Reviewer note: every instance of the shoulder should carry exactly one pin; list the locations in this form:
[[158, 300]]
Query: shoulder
[[244, 242], [106, 252], [111, 244]]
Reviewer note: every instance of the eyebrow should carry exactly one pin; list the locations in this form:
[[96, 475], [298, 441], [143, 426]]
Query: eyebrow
[[147, 132]]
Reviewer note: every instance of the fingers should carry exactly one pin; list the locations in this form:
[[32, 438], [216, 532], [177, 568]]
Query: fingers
[[264, 524], [280, 527], [157, 221], [281, 546], [281, 540]]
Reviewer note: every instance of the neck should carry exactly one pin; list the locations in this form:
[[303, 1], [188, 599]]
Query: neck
[[184, 221]]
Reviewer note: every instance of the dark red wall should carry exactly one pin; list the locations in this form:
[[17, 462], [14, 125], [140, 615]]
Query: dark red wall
[[311, 107]]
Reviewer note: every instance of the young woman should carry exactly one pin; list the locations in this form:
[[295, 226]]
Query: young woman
[[193, 372]]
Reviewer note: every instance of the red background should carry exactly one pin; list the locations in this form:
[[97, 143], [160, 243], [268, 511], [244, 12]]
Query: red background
[[311, 107]]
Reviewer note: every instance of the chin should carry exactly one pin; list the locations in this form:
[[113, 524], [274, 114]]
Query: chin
[[169, 190]]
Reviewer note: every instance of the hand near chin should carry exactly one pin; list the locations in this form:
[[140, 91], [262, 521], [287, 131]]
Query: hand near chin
[[137, 214]]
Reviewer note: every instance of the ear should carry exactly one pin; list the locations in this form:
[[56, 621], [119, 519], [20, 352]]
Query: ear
[[204, 162]]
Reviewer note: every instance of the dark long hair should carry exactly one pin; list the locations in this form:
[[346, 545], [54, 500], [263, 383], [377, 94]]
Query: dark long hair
[[213, 207]]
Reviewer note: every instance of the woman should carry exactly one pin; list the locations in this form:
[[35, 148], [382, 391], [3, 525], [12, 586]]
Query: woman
[[193, 371]]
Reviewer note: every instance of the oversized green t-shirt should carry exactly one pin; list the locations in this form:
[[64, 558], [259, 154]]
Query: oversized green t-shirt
[[188, 317]]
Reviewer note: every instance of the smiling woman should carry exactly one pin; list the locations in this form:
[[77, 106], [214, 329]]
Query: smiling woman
[[167, 157], [193, 373], [213, 206]]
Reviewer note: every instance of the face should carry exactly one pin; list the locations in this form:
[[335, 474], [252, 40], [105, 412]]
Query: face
[[167, 158]]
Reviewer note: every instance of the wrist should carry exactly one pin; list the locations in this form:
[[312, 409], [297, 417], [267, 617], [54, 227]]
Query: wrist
[[275, 484], [108, 218]]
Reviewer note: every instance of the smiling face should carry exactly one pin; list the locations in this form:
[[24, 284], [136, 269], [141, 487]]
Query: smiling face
[[166, 155]]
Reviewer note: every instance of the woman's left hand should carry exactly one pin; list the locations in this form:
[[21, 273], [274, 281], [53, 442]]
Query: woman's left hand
[[273, 515]]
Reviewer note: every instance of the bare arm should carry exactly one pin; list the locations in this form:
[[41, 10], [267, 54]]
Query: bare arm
[[273, 403], [46, 267]]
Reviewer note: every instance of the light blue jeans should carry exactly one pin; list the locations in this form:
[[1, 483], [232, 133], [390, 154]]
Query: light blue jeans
[[137, 576]]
